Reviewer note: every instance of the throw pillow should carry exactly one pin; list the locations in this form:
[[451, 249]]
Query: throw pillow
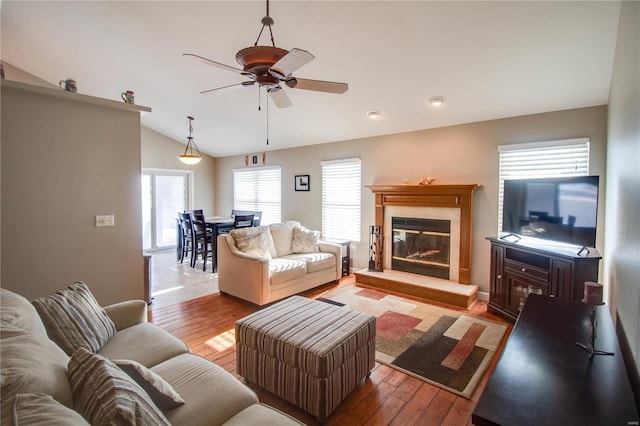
[[253, 242], [305, 240], [17, 313], [106, 395], [38, 409], [161, 392], [31, 363], [73, 318]]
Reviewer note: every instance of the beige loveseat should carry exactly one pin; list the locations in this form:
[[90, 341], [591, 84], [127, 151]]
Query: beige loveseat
[[268, 263], [43, 384]]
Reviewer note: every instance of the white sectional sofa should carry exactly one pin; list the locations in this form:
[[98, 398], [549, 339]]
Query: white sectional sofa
[[268, 263], [44, 380]]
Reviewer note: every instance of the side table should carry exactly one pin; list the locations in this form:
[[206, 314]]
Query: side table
[[346, 253]]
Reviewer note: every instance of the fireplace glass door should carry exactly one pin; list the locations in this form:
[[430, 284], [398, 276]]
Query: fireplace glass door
[[421, 246]]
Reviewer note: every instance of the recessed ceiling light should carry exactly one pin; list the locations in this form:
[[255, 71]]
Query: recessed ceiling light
[[437, 100], [373, 114]]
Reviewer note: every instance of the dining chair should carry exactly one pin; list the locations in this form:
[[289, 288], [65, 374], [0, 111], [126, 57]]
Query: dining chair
[[203, 238], [243, 221], [186, 236], [257, 215]]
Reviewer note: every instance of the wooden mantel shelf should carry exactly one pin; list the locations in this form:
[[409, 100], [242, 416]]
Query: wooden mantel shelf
[[455, 196], [458, 196]]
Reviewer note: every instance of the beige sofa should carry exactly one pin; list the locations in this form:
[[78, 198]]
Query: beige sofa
[[268, 263], [39, 386]]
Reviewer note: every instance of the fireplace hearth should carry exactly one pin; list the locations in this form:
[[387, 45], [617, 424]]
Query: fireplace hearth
[[421, 246]]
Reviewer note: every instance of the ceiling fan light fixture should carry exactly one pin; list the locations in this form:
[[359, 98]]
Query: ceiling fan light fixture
[[189, 157], [437, 100]]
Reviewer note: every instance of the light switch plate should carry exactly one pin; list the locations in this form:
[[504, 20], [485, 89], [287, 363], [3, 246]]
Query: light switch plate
[[105, 220]]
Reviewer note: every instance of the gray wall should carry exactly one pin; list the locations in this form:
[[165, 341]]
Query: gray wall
[[161, 152], [622, 240], [457, 154], [64, 161]]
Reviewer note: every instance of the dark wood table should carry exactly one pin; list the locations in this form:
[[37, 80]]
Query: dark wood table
[[218, 225], [544, 378]]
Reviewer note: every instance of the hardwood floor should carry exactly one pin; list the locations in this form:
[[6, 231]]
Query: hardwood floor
[[387, 397]]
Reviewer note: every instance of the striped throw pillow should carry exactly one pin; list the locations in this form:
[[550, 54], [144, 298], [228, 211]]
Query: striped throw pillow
[[106, 395], [74, 319]]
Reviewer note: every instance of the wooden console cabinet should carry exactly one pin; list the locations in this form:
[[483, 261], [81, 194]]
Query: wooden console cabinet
[[534, 266], [544, 378]]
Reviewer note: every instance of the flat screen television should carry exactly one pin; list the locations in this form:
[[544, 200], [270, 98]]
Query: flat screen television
[[560, 209]]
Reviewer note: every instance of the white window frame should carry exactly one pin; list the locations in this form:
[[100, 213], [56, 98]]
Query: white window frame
[[259, 188], [342, 199], [566, 157]]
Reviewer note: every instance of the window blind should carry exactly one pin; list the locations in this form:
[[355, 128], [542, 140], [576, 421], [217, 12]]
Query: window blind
[[259, 188], [341, 196], [569, 157]]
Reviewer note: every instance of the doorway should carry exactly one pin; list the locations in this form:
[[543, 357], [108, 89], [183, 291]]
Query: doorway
[[164, 194]]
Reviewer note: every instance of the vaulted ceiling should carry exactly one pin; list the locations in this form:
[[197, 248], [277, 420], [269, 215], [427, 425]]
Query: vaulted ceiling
[[488, 59]]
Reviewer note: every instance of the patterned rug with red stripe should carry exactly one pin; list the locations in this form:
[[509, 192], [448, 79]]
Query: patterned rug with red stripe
[[448, 348]]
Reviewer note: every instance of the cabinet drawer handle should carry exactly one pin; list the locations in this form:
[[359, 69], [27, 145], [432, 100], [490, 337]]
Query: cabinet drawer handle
[[524, 269], [499, 277]]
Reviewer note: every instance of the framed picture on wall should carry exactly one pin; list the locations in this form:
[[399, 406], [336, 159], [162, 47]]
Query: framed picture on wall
[[302, 183]]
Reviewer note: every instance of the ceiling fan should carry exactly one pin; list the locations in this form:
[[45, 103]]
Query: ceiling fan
[[269, 66]]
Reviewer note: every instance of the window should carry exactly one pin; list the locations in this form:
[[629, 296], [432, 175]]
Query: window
[[568, 157], [341, 191], [259, 188]]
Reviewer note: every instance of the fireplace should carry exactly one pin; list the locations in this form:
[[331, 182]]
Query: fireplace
[[421, 246], [452, 203]]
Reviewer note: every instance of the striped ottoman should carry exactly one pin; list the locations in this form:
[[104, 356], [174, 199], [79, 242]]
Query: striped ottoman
[[310, 353]]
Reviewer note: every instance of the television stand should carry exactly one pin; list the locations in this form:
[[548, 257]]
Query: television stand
[[533, 266], [511, 234]]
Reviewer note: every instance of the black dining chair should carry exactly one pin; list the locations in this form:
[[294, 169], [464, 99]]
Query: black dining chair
[[186, 236], [203, 240], [242, 221], [257, 215]]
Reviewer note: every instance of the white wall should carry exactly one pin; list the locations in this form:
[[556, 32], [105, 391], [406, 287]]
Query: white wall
[[622, 242], [160, 151], [457, 154], [64, 161]]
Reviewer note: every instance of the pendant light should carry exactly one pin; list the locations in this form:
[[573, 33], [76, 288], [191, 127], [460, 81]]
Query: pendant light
[[189, 157]]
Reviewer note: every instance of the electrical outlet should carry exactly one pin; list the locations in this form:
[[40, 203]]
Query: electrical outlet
[[105, 220]]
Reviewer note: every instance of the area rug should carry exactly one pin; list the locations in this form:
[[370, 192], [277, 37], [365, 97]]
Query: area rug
[[447, 348]]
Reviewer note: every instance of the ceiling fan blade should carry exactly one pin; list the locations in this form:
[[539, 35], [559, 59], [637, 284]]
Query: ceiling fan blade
[[244, 83], [290, 62], [317, 85], [279, 97], [213, 63]]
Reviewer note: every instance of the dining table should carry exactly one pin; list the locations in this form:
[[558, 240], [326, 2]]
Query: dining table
[[218, 225]]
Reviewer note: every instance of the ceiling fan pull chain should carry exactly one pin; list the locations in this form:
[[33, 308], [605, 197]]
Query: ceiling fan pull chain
[[259, 99], [267, 123]]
